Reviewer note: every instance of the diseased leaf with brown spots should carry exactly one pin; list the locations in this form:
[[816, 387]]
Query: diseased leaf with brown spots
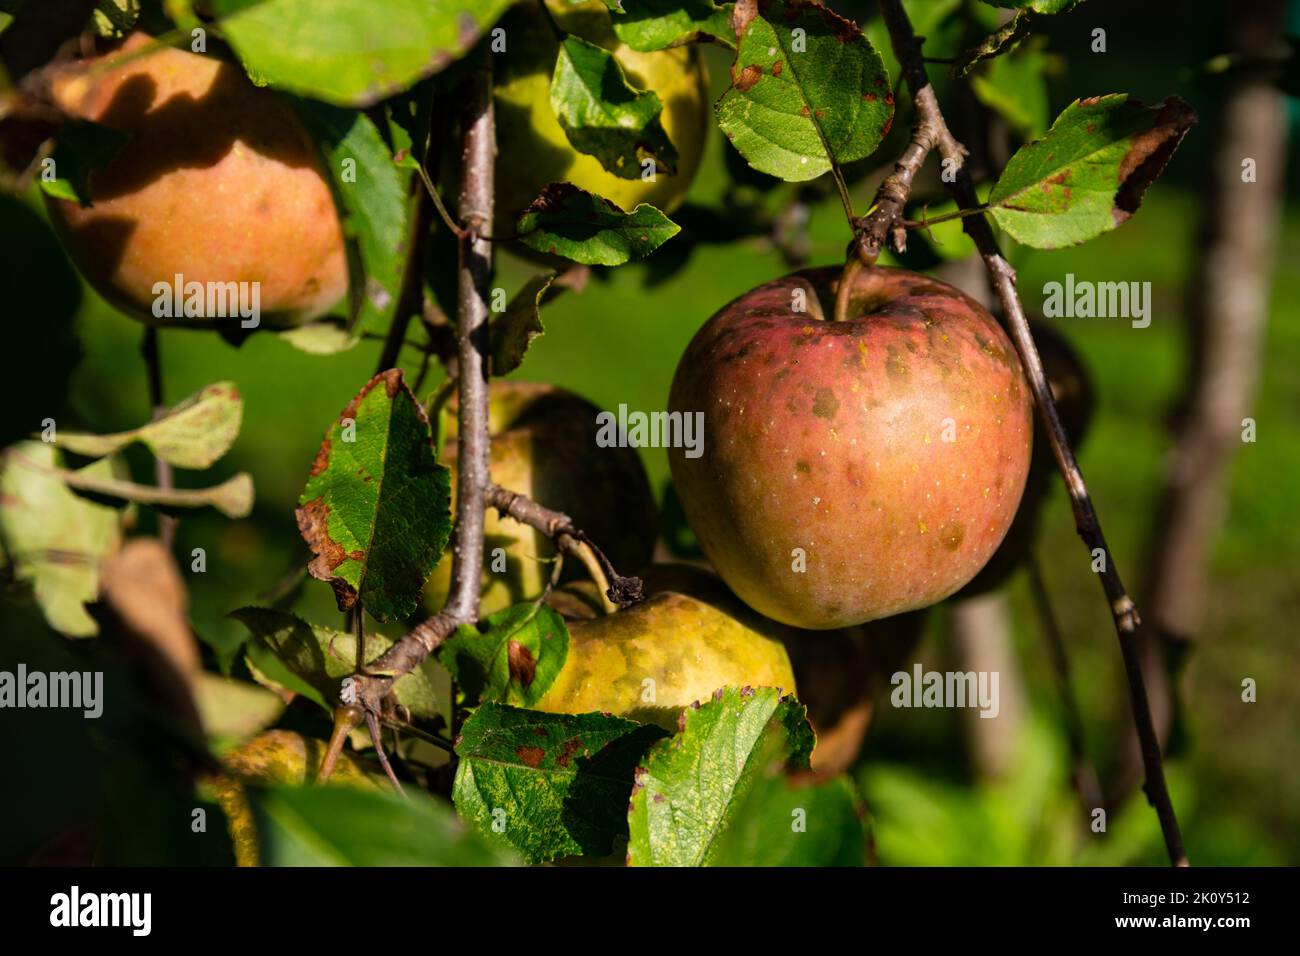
[[549, 785], [376, 511], [1088, 174], [513, 660], [807, 89]]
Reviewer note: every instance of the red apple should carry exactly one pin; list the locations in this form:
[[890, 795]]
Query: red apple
[[855, 469]]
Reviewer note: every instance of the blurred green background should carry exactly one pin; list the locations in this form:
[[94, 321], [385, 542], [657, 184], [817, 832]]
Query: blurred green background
[[1235, 774]]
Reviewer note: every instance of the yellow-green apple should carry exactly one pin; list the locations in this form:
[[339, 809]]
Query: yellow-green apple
[[532, 147], [689, 638], [854, 469]]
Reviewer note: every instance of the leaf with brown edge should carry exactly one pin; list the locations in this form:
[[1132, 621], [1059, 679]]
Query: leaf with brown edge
[[376, 510], [1088, 174]]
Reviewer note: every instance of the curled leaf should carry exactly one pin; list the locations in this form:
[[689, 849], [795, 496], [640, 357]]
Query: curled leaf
[[192, 434], [1088, 174]]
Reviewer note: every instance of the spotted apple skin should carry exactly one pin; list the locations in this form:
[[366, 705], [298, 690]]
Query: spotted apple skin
[[857, 469]]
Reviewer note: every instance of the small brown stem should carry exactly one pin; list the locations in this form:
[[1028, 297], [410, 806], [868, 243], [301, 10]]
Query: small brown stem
[[1003, 277], [346, 719], [359, 635], [411, 295], [848, 278], [377, 738], [622, 591], [946, 217]]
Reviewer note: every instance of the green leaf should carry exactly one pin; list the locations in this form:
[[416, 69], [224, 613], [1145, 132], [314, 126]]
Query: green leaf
[[320, 338], [345, 826], [115, 18], [795, 820], [689, 789], [55, 540], [514, 660], [647, 25], [1038, 6], [192, 434], [1016, 87], [376, 510], [567, 221], [515, 328], [550, 785], [1088, 174], [604, 115], [322, 657], [352, 52], [372, 192], [80, 149], [799, 101]]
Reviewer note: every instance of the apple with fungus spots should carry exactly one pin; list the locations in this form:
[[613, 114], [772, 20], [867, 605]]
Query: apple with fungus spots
[[851, 469], [219, 183], [1073, 395]]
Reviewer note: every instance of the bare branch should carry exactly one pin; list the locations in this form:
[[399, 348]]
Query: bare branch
[[1003, 278], [475, 268]]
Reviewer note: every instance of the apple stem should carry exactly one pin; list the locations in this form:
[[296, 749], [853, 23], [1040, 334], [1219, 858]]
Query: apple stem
[[1124, 613], [844, 289]]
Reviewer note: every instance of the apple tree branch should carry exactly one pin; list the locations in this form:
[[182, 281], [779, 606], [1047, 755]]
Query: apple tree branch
[[907, 50]]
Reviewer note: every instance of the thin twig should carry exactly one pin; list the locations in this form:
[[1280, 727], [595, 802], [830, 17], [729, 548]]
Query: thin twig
[[359, 635], [1003, 277], [620, 589], [410, 298], [1082, 770], [377, 738], [162, 470]]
